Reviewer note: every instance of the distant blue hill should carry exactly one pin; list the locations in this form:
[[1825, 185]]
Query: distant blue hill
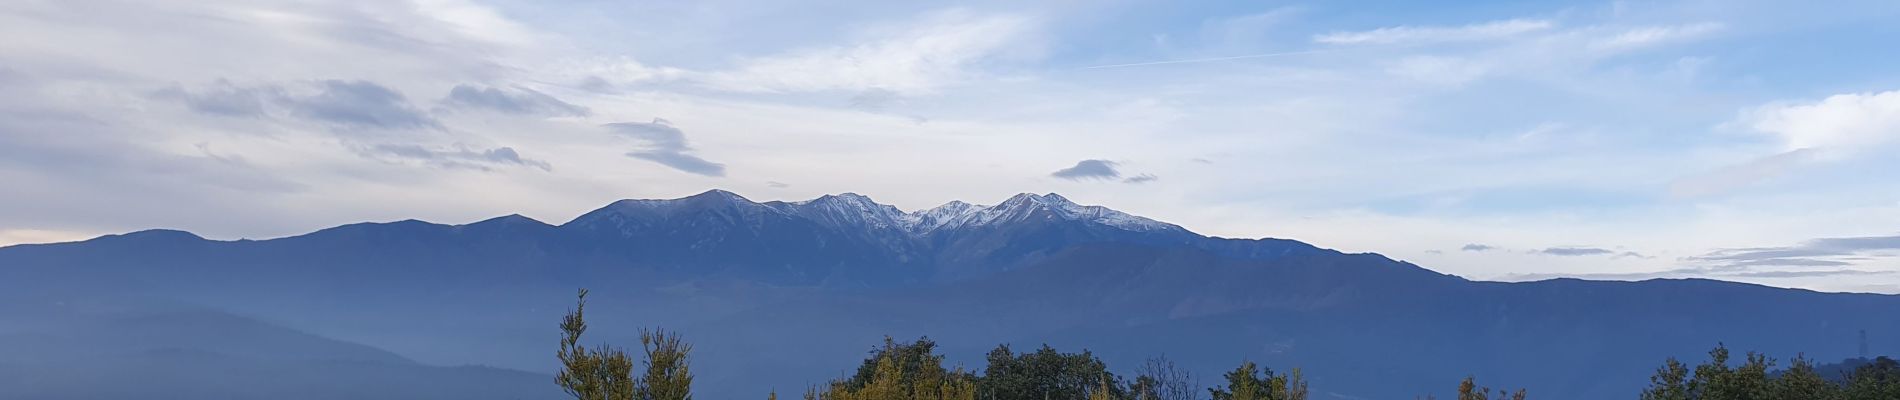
[[145, 349], [784, 294]]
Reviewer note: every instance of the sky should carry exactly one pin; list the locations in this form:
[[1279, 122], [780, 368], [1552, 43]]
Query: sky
[[1502, 140]]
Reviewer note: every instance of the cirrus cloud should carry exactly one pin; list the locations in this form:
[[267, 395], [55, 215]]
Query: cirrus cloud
[[1410, 34], [913, 58]]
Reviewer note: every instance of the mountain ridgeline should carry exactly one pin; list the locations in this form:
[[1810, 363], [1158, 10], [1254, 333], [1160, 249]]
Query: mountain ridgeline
[[848, 240], [781, 294]]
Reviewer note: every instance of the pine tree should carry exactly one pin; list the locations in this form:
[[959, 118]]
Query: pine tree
[[1750, 380], [1713, 379], [668, 374], [604, 373], [1671, 382], [1246, 383]]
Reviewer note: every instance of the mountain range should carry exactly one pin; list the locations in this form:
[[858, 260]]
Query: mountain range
[[779, 295]]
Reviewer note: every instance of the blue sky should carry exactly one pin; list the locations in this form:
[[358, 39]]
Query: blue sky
[[1743, 140]]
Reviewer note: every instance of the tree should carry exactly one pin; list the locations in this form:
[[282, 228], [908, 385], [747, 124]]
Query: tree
[[604, 373], [1713, 378], [1879, 379], [1296, 385], [1102, 391], [1671, 382], [1801, 381], [1159, 379], [668, 375], [916, 360], [1750, 380], [901, 372], [1469, 390], [1251, 382], [1754, 379], [1045, 374]]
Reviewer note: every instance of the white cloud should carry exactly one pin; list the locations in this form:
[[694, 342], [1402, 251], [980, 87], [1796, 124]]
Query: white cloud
[[1408, 34], [1439, 70], [476, 21], [921, 57], [1655, 35], [1838, 123], [1835, 128], [612, 73]]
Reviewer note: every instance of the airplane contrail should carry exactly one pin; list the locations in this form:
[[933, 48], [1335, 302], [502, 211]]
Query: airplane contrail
[[1202, 60]]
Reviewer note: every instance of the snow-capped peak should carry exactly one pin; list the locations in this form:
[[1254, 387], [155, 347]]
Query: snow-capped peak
[[845, 210], [855, 211], [924, 221], [713, 197], [1022, 207], [664, 209]]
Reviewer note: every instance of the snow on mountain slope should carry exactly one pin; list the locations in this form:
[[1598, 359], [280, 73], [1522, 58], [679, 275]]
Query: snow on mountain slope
[[1023, 207], [721, 206], [846, 210], [852, 211], [921, 222]]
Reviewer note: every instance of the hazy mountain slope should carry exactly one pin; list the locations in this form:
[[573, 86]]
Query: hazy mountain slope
[[89, 348], [1362, 325], [783, 294]]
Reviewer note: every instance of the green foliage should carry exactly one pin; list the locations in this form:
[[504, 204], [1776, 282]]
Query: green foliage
[[669, 375], [1103, 391], [606, 372], [603, 373], [1671, 382], [1046, 374], [915, 360], [901, 372], [1249, 383], [913, 371], [1715, 379], [1469, 390], [1877, 380], [1801, 381], [1253, 382], [1296, 385]]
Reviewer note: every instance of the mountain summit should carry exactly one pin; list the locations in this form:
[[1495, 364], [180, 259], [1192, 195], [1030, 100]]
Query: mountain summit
[[850, 239], [856, 211]]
